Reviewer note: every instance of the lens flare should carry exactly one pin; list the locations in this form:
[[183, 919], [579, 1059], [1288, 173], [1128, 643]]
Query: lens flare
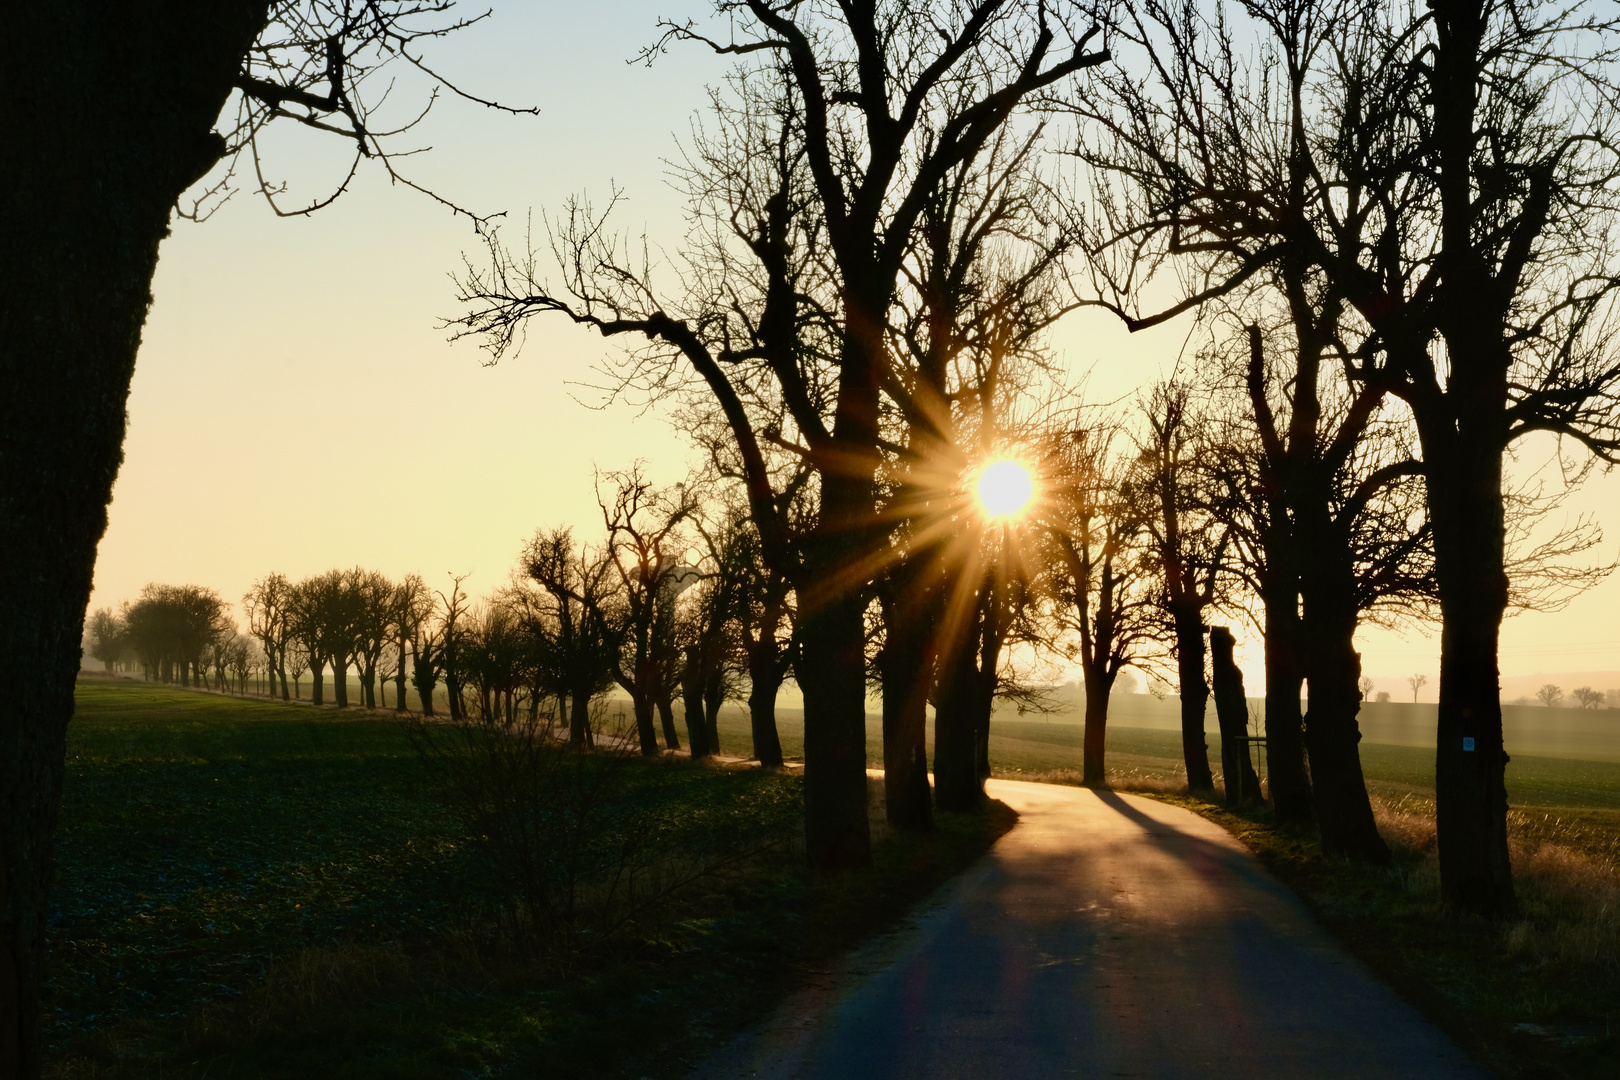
[[1005, 488]]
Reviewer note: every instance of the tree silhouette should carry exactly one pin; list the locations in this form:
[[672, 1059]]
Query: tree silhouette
[[1417, 682], [119, 114], [863, 112], [1448, 171]]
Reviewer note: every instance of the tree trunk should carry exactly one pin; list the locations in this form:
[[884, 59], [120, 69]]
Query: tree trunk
[[1465, 507], [110, 120], [1194, 691], [907, 667], [1285, 741], [697, 732], [666, 718], [1094, 740], [1232, 715], [765, 680], [646, 733], [317, 677], [400, 703], [957, 787], [832, 673], [579, 719], [1333, 673], [714, 696], [984, 703], [340, 681]]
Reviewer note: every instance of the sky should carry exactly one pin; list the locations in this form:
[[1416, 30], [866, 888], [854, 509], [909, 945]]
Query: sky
[[297, 404]]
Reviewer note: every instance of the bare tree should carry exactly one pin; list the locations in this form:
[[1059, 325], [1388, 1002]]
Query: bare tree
[[644, 549], [1101, 578], [1189, 547], [269, 620], [872, 106], [1549, 694], [584, 645], [453, 615], [1374, 143], [1417, 682], [1588, 697]]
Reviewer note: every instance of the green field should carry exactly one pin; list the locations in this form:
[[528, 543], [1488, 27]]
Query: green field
[[256, 889], [1050, 748]]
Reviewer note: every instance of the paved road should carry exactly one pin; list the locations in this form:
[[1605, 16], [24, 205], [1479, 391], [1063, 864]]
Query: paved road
[[1105, 936]]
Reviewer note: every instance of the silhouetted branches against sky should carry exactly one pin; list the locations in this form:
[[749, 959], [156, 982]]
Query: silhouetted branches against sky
[[334, 66]]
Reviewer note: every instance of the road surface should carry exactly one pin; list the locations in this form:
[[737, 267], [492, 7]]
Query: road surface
[[1106, 935]]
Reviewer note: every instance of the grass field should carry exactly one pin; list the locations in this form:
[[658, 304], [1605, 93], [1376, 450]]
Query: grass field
[[253, 889]]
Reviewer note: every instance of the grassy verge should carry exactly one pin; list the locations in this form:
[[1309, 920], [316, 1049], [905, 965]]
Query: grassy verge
[[1536, 997], [254, 889]]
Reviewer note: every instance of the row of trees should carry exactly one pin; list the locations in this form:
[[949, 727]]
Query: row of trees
[[178, 634], [1390, 222], [1385, 215]]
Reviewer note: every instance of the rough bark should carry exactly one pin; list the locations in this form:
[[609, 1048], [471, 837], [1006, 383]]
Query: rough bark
[[1465, 507], [110, 121]]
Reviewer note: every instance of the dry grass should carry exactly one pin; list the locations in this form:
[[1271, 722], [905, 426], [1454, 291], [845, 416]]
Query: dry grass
[[1569, 896]]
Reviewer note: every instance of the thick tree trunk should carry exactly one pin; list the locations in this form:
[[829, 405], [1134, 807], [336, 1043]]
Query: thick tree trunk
[[642, 706], [579, 719], [110, 120], [907, 667], [697, 731], [765, 679], [317, 676], [832, 672], [1194, 690], [1232, 714], [1465, 506], [983, 702], [957, 787], [666, 719], [714, 695], [1285, 736], [340, 681], [1333, 673], [1464, 432], [1094, 740]]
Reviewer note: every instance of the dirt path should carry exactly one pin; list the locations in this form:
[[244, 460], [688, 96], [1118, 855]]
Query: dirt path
[[1105, 936]]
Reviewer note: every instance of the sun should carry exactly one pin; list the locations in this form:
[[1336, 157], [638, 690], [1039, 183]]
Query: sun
[[1005, 488]]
